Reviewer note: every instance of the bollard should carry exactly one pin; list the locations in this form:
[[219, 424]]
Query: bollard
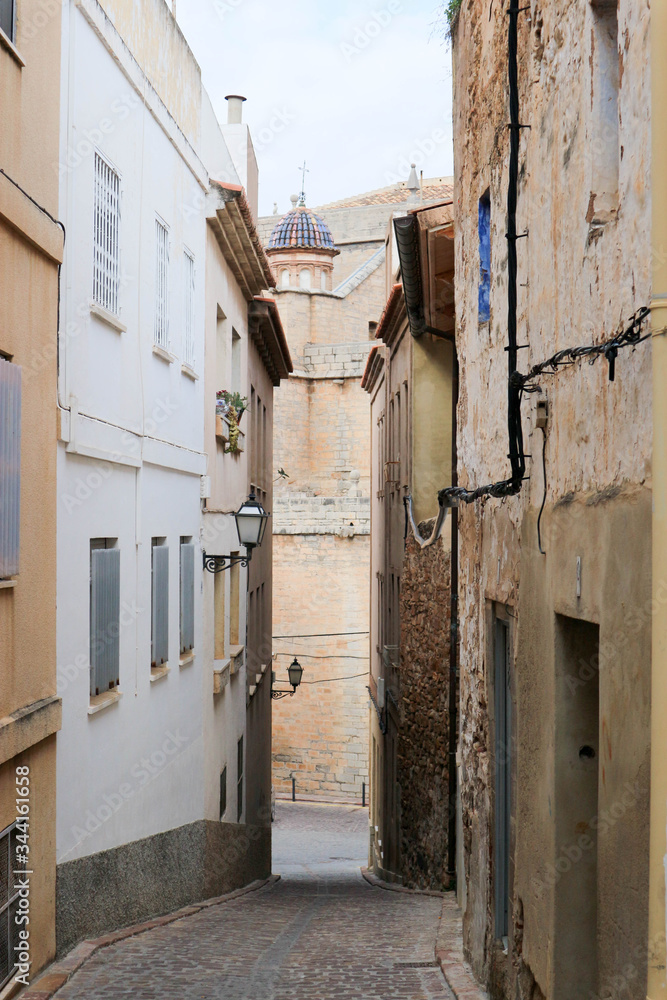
[[293, 789]]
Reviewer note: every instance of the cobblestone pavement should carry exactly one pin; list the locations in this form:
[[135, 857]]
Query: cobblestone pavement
[[321, 932]]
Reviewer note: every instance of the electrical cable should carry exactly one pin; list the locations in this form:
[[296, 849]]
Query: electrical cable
[[330, 680], [544, 496], [318, 635], [517, 383]]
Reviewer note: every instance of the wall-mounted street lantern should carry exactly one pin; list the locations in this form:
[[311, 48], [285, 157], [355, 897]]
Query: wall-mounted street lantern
[[295, 673], [251, 521]]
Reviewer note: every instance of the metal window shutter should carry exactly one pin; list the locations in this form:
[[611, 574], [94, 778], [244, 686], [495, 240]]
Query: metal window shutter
[[104, 619], [187, 596], [160, 606], [10, 467]]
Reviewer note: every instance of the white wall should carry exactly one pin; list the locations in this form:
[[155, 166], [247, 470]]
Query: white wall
[[129, 464]]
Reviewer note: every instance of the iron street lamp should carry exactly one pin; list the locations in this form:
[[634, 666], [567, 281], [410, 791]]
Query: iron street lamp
[[295, 673], [251, 521]]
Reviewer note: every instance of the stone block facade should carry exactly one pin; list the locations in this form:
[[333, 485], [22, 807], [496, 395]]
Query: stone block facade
[[423, 743]]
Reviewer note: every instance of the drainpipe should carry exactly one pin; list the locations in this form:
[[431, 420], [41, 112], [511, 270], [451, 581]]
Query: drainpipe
[[657, 958], [453, 642]]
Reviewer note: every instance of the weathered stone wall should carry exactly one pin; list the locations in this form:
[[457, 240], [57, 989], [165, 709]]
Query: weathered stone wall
[[423, 748], [583, 269]]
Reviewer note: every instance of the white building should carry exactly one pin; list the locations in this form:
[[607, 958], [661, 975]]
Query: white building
[[138, 791]]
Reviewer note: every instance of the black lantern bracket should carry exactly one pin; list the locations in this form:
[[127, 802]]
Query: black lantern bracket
[[281, 693], [216, 564], [295, 673]]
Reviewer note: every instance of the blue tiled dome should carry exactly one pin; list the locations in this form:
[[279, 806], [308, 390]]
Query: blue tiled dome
[[301, 228]]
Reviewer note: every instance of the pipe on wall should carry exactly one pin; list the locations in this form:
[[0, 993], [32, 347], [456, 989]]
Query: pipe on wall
[[657, 953]]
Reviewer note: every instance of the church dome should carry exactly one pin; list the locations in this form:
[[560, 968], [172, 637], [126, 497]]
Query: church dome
[[301, 229]]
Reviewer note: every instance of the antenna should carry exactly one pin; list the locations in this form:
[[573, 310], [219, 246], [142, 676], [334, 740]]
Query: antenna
[[304, 170]]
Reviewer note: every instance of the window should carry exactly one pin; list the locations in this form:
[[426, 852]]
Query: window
[[187, 595], [106, 250], [10, 467], [223, 793], [161, 333], [239, 780], [8, 23], [484, 232], [236, 361], [304, 278], [9, 900], [503, 776], [605, 150], [284, 277], [220, 627], [104, 615], [234, 603], [189, 309], [159, 603], [323, 281]]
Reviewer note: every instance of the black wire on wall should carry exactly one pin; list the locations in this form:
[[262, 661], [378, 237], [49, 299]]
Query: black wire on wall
[[517, 383]]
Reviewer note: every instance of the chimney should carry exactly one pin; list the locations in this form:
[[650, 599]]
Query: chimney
[[234, 109]]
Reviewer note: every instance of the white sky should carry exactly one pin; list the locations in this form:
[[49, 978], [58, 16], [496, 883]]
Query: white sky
[[357, 88]]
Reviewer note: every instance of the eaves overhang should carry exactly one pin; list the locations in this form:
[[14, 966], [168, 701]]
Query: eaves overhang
[[374, 367], [268, 336], [230, 217], [393, 318]]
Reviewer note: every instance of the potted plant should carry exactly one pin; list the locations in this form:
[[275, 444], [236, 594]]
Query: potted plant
[[225, 400]]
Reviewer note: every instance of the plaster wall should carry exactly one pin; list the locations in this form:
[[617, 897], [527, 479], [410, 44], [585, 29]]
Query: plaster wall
[[582, 272], [30, 250], [131, 453]]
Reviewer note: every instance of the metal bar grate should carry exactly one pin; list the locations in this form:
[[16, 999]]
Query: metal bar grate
[[189, 309], [106, 247], [161, 332]]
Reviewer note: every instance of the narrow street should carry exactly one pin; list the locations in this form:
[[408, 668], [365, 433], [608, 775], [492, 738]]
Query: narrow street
[[321, 931]]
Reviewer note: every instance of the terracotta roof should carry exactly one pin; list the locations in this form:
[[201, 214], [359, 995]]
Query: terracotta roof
[[435, 189], [241, 246], [395, 304], [374, 364], [301, 228]]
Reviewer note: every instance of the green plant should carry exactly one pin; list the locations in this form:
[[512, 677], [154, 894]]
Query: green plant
[[451, 10], [233, 399]]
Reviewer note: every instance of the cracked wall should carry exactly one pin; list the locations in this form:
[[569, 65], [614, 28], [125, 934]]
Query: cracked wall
[[584, 268]]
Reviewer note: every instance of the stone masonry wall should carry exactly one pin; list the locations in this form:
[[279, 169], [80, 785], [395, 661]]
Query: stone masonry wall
[[320, 736], [582, 270], [423, 748]]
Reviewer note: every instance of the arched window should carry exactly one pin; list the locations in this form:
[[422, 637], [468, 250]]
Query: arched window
[[304, 278], [284, 277], [323, 281]]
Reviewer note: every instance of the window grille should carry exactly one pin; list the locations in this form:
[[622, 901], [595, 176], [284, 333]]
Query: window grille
[[10, 467], [161, 333], [106, 248], [104, 618], [189, 308], [160, 605], [9, 900], [187, 596]]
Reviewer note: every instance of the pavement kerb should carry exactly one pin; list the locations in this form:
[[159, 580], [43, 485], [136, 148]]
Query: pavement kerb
[[449, 941], [57, 974]]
